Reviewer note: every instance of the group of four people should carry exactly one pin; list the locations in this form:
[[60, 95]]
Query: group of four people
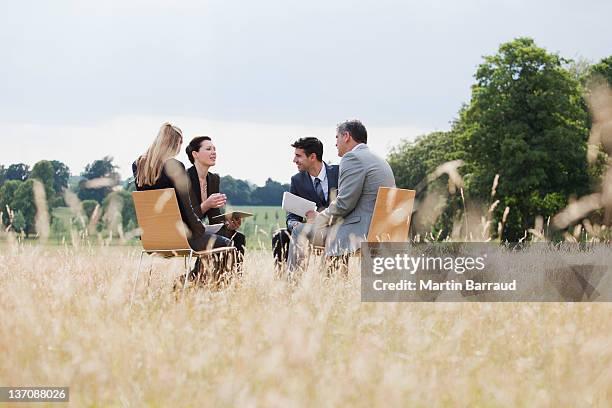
[[344, 194]]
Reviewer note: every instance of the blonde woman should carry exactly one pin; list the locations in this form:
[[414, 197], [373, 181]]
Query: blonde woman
[[158, 169]]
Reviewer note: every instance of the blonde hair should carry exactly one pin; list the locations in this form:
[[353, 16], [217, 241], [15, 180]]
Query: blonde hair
[[167, 144]]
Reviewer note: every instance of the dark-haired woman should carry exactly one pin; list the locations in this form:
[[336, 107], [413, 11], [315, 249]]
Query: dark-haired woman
[[202, 154]]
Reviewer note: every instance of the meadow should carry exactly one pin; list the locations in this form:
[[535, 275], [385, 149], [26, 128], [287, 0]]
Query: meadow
[[67, 321], [258, 229]]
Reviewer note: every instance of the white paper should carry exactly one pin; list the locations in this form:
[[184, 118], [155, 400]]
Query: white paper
[[212, 229], [297, 205]]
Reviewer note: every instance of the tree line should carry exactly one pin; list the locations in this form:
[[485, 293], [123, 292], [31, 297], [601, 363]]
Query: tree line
[[104, 200]]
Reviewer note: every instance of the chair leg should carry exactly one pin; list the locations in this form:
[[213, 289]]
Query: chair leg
[[187, 271], [136, 278]]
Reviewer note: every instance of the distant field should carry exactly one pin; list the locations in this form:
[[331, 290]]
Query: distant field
[[63, 212], [260, 228]]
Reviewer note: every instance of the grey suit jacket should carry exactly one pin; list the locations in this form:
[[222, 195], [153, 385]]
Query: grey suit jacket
[[362, 173]]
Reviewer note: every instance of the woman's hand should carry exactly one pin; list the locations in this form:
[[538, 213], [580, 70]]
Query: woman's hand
[[216, 200]]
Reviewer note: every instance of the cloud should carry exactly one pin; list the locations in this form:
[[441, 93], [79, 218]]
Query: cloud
[[389, 61]]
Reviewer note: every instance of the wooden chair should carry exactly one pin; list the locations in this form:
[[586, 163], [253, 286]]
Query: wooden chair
[[390, 220], [392, 215], [163, 230]]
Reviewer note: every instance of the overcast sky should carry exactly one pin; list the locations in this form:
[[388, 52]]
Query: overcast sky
[[84, 79]]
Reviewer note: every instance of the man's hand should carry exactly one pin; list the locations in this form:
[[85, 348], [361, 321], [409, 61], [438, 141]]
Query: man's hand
[[310, 216], [293, 224], [216, 200], [234, 223]]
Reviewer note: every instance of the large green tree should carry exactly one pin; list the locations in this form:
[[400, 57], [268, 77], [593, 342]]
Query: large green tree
[[526, 122]]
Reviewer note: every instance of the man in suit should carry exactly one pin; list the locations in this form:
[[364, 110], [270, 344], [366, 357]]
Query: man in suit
[[346, 222], [316, 181]]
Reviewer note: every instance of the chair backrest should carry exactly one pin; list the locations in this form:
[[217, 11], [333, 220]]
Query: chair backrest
[[392, 215], [160, 220]]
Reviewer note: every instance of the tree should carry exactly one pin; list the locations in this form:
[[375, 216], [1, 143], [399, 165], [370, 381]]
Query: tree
[[603, 69], [579, 69], [104, 172], [526, 122], [130, 185], [19, 172], [412, 162], [7, 193], [54, 175], [270, 194], [23, 201], [100, 169], [238, 192], [126, 203], [61, 175], [43, 172], [2, 175], [59, 228], [19, 222]]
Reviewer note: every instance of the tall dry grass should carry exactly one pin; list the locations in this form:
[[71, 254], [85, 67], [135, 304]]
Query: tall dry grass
[[66, 321]]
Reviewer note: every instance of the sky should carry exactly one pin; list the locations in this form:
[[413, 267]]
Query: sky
[[80, 80]]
